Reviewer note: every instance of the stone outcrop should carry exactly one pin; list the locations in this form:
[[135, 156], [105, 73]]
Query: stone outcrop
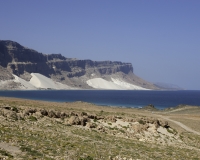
[[140, 128], [5, 75], [20, 59]]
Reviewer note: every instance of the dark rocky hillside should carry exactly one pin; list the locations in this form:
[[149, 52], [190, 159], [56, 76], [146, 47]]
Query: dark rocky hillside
[[22, 61]]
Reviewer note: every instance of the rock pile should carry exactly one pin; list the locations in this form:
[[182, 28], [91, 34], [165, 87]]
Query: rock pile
[[137, 128]]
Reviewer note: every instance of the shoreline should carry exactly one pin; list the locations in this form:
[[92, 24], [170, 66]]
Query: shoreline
[[150, 107], [107, 98]]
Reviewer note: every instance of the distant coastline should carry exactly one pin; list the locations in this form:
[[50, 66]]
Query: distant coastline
[[121, 98]]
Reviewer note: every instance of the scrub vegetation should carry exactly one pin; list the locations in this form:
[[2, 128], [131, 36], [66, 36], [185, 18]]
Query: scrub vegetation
[[82, 131]]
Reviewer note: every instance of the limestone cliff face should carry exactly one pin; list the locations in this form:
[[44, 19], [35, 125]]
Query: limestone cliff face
[[19, 59], [22, 61], [13, 52]]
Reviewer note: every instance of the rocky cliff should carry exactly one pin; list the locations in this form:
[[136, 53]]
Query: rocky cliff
[[22, 61]]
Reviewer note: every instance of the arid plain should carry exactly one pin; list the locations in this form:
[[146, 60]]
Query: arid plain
[[82, 131]]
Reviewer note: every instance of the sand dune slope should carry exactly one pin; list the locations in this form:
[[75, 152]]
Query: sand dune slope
[[100, 83], [115, 84], [40, 81], [24, 84]]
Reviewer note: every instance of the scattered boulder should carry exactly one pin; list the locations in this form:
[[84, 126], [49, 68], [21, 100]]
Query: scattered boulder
[[44, 112], [156, 123], [164, 124], [20, 116], [83, 120], [51, 114], [151, 120], [150, 107], [15, 109], [58, 114], [73, 114], [111, 118], [38, 114], [32, 110], [91, 125], [129, 120], [10, 114], [29, 111], [83, 114], [92, 116], [74, 120], [101, 128], [63, 115], [7, 107], [138, 128], [99, 117]]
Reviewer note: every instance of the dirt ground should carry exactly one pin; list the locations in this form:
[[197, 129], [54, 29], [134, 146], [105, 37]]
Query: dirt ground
[[49, 130]]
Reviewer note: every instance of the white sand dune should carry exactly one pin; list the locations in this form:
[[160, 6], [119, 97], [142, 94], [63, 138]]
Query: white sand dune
[[115, 84], [127, 85], [100, 83], [24, 84], [40, 81]]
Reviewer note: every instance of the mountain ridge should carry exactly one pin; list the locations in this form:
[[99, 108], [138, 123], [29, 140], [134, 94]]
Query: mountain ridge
[[22, 61]]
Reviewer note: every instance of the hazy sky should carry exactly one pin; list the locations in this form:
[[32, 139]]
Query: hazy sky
[[160, 38]]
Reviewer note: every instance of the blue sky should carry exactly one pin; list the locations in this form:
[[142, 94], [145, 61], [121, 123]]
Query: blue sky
[[160, 38]]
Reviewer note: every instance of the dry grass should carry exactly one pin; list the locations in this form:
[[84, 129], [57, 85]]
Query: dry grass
[[47, 138]]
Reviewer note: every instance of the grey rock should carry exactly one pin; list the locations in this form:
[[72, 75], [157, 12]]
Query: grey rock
[[83, 120], [44, 112], [91, 125], [74, 120], [21, 61], [52, 114], [91, 116], [10, 114]]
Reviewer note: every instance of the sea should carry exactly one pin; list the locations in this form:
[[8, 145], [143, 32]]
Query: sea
[[119, 98]]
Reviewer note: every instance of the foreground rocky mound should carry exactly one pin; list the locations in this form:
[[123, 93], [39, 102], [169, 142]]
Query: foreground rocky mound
[[22, 61], [142, 129], [82, 131]]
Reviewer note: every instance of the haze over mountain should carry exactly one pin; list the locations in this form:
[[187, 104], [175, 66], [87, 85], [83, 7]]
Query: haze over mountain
[[160, 38], [24, 68]]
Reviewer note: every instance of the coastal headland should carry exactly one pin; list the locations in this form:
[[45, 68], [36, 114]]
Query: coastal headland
[[32, 129]]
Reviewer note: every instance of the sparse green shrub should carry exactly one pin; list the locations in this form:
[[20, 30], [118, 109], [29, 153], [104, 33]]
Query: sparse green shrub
[[115, 128], [125, 127], [172, 131], [32, 118], [15, 109], [98, 137], [141, 122], [111, 128], [30, 151], [181, 137], [121, 130], [21, 118], [101, 112], [4, 153], [95, 120]]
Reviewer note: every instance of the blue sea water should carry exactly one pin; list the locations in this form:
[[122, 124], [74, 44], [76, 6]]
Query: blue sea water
[[130, 99]]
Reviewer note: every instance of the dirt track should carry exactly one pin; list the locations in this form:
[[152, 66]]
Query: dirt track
[[181, 125]]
